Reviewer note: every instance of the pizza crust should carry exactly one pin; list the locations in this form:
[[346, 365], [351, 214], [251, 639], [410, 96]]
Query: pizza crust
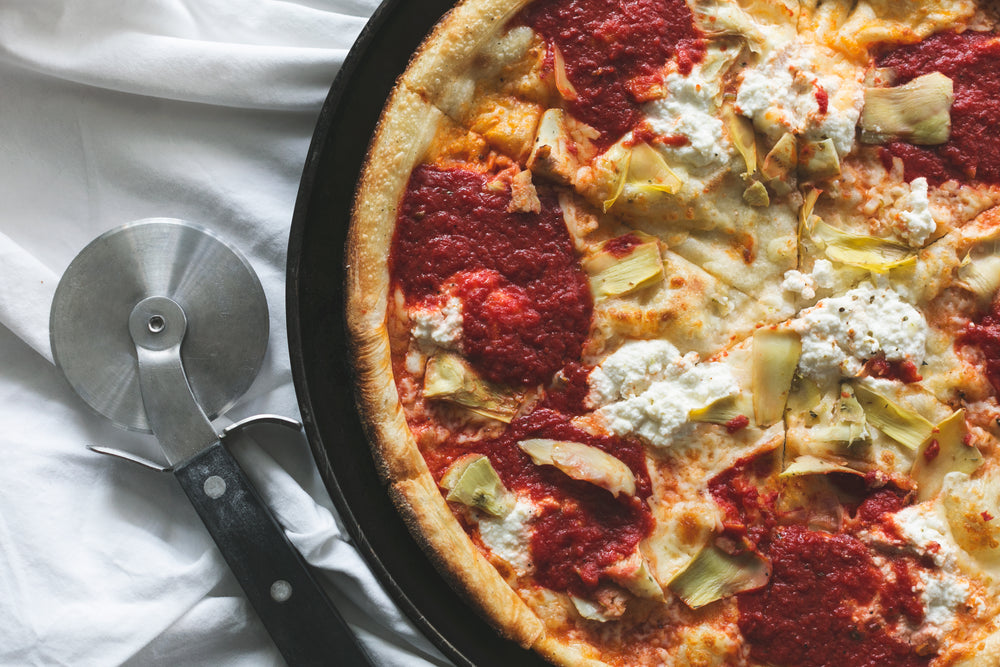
[[432, 522]]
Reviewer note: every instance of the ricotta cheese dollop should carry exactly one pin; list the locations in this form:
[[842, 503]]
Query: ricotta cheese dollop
[[942, 595], [913, 214], [840, 333], [440, 327], [689, 111], [789, 92], [806, 284], [926, 529], [509, 536], [647, 388]]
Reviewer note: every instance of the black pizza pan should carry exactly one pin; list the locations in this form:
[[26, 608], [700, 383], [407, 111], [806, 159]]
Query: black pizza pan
[[318, 346]]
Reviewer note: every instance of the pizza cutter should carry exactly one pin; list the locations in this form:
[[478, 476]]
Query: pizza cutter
[[160, 326]]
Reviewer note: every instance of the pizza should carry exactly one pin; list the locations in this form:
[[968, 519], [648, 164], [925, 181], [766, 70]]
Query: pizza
[[676, 326]]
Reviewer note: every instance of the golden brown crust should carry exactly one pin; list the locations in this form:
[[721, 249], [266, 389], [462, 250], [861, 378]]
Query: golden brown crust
[[404, 133], [432, 521], [443, 68]]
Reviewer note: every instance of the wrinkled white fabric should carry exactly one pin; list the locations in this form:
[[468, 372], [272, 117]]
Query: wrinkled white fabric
[[113, 111]]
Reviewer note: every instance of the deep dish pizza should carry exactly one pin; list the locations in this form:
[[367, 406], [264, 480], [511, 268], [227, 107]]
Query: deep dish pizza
[[676, 326]]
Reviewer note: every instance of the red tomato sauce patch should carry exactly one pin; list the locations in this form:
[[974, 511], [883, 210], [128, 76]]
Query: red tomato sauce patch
[[972, 61], [526, 302], [614, 53]]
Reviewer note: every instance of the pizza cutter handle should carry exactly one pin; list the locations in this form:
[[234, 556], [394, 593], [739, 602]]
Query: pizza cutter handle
[[304, 624]]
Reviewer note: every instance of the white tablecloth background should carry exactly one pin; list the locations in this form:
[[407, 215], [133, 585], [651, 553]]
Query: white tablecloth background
[[113, 111]]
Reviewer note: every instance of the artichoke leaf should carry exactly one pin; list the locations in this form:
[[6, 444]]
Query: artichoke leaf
[[813, 465], [590, 610], [582, 462], [867, 252], [613, 166], [563, 84], [782, 159], [902, 425], [723, 410], [945, 452], [775, 357], [715, 574], [819, 160], [981, 276], [756, 195], [472, 481], [449, 378], [633, 574], [918, 111], [742, 135], [648, 170], [616, 273]]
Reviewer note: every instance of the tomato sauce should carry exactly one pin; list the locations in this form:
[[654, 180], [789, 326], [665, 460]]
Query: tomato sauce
[[985, 334], [812, 612], [905, 371], [621, 246], [583, 529], [526, 302], [972, 61], [614, 52], [568, 391]]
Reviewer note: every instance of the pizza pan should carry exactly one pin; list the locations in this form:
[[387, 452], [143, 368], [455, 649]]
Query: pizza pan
[[316, 336]]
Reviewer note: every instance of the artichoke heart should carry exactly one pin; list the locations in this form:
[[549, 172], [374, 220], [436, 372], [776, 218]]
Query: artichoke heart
[[632, 170], [551, 155], [617, 273], [867, 252], [722, 411], [449, 378], [471, 480], [582, 462], [813, 465], [649, 171], [611, 169], [775, 357], [946, 451], [756, 195], [782, 159], [902, 425], [590, 610], [633, 574], [715, 574], [819, 160], [981, 276], [849, 417], [918, 112], [742, 135]]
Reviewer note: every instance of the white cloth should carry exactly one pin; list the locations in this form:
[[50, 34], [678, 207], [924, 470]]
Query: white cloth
[[113, 111]]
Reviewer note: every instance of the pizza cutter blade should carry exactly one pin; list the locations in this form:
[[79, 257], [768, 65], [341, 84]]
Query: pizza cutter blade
[[160, 325]]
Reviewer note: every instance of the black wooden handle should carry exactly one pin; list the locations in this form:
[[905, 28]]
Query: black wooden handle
[[301, 620]]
